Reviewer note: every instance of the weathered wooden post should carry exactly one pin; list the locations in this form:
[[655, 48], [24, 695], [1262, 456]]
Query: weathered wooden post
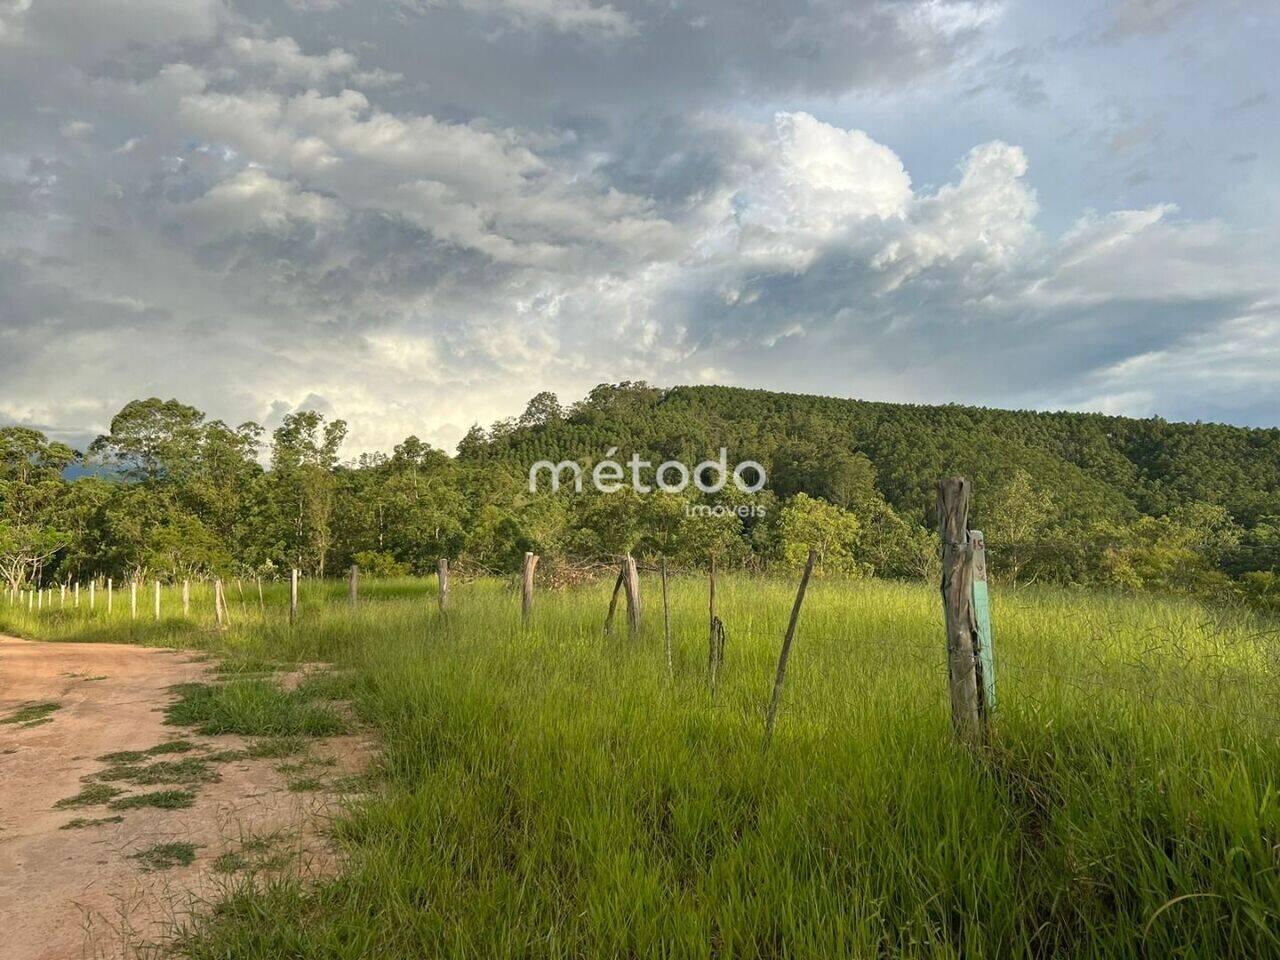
[[353, 585], [92, 599], [666, 618], [613, 597], [219, 603], [631, 586], [785, 655], [293, 596], [133, 599], [442, 575], [77, 595], [62, 595], [186, 598], [957, 604], [262, 604], [526, 592], [982, 618], [712, 619], [157, 598], [111, 594]]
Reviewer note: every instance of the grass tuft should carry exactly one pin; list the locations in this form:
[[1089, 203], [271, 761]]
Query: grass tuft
[[255, 708], [92, 795], [32, 714], [163, 799], [80, 823], [165, 856]]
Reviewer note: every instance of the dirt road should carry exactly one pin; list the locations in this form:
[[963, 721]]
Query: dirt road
[[79, 891]]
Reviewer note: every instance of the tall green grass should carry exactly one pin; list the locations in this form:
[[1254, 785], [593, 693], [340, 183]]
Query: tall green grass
[[552, 792]]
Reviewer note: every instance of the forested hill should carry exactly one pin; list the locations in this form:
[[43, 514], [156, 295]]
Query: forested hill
[[1094, 467], [1062, 497]]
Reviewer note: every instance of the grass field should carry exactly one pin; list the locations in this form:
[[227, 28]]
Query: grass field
[[552, 792]]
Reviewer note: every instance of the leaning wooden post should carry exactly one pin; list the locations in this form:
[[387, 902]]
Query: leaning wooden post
[[666, 618], [157, 603], [442, 575], [613, 597], [957, 604], [526, 592], [632, 587], [293, 596], [262, 604], [785, 655], [186, 598], [353, 585]]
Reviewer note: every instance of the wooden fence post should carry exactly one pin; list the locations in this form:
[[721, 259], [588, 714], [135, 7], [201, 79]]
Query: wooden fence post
[[666, 618], [526, 593], [293, 596], [110, 595], [442, 576], [157, 600], [186, 598], [613, 597], [262, 604], [92, 600], [133, 599], [631, 585], [353, 585], [957, 603], [785, 655], [982, 618], [77, 595], [62, 595], [712, 619], [220, 603]]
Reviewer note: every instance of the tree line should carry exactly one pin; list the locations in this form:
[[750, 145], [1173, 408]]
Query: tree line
[[1062, 497]]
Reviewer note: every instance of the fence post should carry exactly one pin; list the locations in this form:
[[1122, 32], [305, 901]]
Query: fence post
[[957, 603], [785, 655], [666, 618], [92, 600], [220, 603], [353, 586], [111, 595], [157, 599], [442, 577], [982, 617], [293, 596], [186, 598], [62, 595], [613, 597], [526, 598], [133, 599], [632, 586], [77, 595], [712, 620]]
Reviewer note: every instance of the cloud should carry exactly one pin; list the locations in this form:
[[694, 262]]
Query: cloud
[[242, 206]]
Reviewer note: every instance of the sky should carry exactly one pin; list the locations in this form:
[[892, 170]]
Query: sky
[[416, 214]]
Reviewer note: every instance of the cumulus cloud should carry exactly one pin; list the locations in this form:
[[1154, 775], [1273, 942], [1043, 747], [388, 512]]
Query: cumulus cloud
[[245, 207]]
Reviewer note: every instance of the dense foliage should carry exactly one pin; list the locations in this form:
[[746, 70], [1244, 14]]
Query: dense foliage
[[1076, 498]]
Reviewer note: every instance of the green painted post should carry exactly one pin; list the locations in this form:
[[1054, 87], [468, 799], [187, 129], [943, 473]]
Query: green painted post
[[982, 615]]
